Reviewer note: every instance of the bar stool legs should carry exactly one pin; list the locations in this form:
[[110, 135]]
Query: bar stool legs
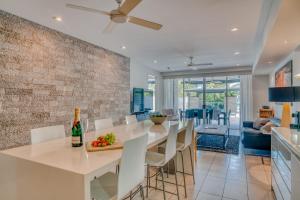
[[183, 172], [148, 181], [176, 179], [192, 164], [160, 171], [163, 181], [142, 192]]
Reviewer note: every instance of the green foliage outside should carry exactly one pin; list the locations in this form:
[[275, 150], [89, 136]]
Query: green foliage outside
[[212, 99]]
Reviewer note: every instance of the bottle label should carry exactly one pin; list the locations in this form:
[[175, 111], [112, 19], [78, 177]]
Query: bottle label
[[75, 139]]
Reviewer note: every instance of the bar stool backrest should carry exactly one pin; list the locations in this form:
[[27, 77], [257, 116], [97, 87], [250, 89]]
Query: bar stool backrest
[[132, 170], [170, 150], [44, 134], [101, 124], [189, 133], [130, 119]]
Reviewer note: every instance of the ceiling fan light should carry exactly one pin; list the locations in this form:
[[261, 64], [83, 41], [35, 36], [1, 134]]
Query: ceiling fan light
[[234, 29], [57, 18]]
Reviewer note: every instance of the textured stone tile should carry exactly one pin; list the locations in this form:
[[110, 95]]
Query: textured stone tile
[[45, 74]]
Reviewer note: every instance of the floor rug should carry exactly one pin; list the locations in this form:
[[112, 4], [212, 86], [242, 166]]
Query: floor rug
[[215, 143]]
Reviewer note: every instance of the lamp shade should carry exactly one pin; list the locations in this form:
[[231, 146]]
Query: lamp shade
[[284, 94]]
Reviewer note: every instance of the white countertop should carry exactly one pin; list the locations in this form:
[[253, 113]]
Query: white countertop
[[59, 153], [290, 137]]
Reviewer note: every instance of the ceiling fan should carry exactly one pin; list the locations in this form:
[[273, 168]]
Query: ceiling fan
[[120, 15], [192, 64]]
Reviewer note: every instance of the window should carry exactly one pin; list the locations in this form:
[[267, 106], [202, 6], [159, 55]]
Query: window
[[151, 90], [222, 93]]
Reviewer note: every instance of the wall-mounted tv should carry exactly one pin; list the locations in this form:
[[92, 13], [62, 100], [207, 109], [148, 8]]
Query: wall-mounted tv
[[137, 100]]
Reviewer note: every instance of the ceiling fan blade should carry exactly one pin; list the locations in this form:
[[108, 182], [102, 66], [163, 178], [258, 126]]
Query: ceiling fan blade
[[144, 23], [109, 28], [68, 5], [128, 5]]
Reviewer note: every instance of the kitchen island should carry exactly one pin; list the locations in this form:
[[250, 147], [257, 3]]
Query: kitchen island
[[54, 170]]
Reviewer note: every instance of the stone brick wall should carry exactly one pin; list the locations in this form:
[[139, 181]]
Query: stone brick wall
[[45, 74]]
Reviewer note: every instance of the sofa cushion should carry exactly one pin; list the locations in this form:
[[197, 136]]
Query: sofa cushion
[[258, 123], [251, 131], [266, 129]]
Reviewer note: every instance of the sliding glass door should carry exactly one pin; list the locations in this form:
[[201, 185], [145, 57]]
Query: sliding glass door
[[193, 92], [217, 93]]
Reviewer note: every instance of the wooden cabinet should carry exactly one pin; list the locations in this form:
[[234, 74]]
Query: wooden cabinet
[[266, 113]]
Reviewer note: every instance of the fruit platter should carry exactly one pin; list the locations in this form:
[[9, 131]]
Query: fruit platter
[[103, 143]]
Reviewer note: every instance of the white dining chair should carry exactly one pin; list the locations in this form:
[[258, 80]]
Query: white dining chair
[[181, 147], [44, 134], [101, 124], [131, 174], [130, 119], [159, 160]]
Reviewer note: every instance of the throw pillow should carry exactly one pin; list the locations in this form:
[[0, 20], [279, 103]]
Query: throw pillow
[[266, 129], [258, 123]]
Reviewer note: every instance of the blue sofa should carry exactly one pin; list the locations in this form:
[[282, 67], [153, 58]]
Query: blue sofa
[[254, 138]]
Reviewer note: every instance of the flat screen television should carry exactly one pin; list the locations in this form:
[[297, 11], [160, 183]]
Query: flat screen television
[[281, 94], [137, 100]]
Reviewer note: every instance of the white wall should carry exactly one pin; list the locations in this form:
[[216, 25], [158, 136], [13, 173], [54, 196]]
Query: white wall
[[260, 85], [295, 57], [139, 79]]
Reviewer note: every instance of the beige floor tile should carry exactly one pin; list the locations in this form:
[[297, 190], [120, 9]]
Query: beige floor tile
[[204, 196], [213, 185], [237, 175], [220, 173], [222, 176], [259, 192], [235, 190], [257, 176], [158, 195]]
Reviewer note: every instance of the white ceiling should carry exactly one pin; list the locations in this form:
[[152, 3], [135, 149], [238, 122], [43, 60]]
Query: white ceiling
[[200, 28], [284, 37]]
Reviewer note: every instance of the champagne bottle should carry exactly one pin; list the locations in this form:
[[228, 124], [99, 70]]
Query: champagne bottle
[[77, 130]]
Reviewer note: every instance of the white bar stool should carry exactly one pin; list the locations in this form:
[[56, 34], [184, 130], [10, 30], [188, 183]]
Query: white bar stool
[[131, 175], [181, 147], [101, 124], [130, 119], [159, 160], [44, 134]]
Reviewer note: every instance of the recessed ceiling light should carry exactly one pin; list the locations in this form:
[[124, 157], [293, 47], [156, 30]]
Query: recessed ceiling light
[[234, 29], [123, 47], [237, 53], [270, 62], [57, 18], [155, 61], [285, 41]]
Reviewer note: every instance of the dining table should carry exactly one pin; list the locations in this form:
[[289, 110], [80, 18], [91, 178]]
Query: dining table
[[54, 170]]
